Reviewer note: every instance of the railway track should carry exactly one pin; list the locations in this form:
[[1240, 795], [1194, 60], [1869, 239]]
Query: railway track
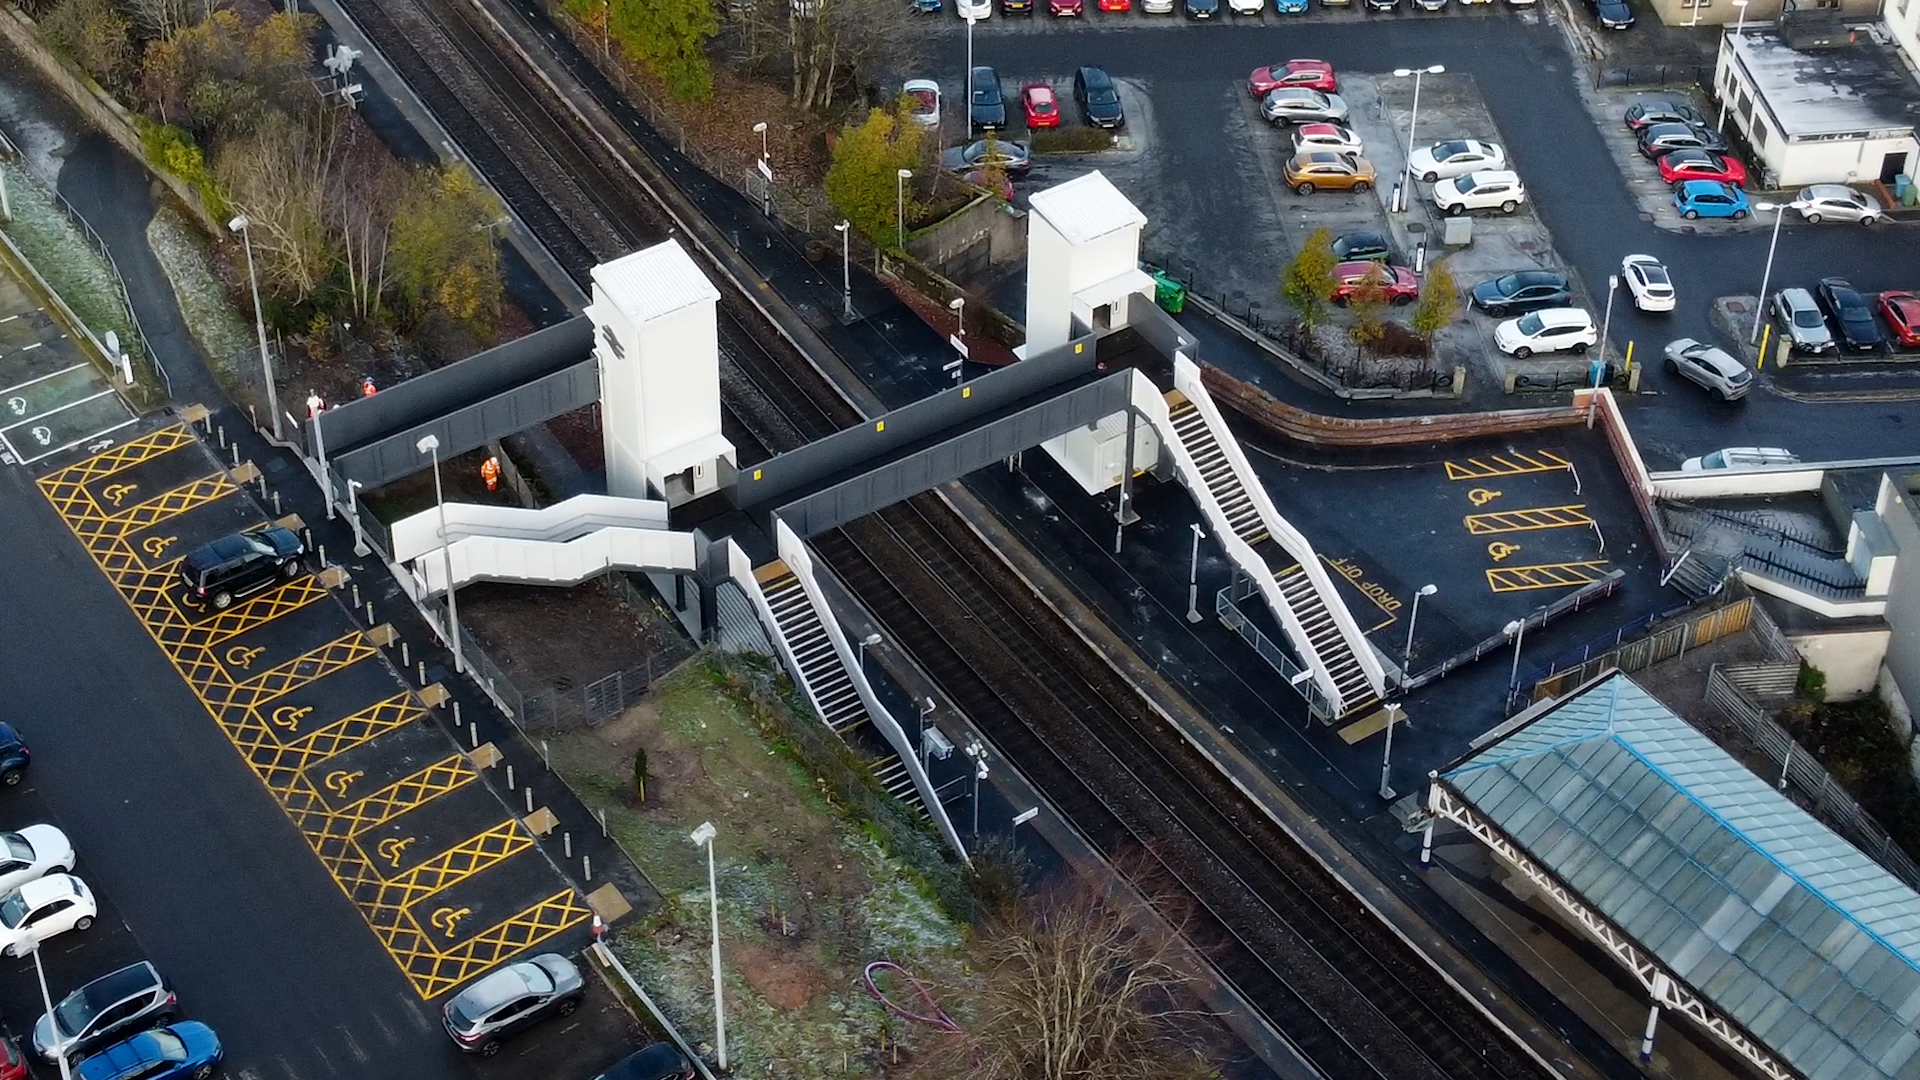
[[1349, 994]]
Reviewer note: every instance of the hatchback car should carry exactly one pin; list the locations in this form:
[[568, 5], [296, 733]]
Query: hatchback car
[[923, 101], [1500, 191], [1202, 9], [1647, 279], [1340, 140], [1363, 246], [13, 1063], [1016, 7], [234, 566], [1246, 7], [1859, 330], [1678, 165], [661, 1061], [1397, 283], [1065, 8], [1709, 198], [1321, 171], [188, 1049], [1383, 5], [1037, 101], [1456, 157], [1098, 98], [1801, 322], [42, 908], [1157, 7], [15, 756], [1901, 310], [986, 104], [1658, 139], [1709, 366], [1652, 111], [1290, 7], [1741, 457], [1546, 330], [974, 10], [1299, 105], [511, 1000], [1430, 5], [1525, 290], [1115, 5], [34, 852], [1003, 154], [133, 997], [1837, 202], [1612, 14]]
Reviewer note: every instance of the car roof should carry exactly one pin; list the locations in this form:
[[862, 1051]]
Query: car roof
[[1720, 360], [41, 890], [1091, 73], [1494, 176], [1830, 191], [1691, 153], [1537, 277], [1308, 65], [117, 986], [498, 988], [920, 84], [1564, 316], [1796, 295], [649, 1063], [1290, 93], [1323, 127], [1704, 187]]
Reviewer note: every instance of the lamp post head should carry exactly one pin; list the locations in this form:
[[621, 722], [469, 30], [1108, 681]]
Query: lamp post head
[[1429, 590], [704, 834], [1613, 282], [905, 174], [842, 227], [1513, 628], [871, 640], [355, 485], [427, 444], [957, 303], [238, 224], [760, 128]]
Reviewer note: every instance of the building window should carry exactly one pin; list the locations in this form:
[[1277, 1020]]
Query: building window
[[1759, 132]]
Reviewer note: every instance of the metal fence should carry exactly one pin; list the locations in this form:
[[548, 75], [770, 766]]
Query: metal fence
[[1652, 76], [1629, 654], [1226, 607]]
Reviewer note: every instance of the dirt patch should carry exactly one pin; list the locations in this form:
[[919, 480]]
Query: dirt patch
[[787, 979]]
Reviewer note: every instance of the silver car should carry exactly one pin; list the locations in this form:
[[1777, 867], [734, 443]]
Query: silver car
[[1302, 105], [1710, 366], [1837, 202], [1801, 322], [511, 999]]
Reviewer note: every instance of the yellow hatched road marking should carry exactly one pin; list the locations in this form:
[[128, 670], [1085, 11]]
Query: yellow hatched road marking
[[1544, 576], [171, 504], [1539, 517], [302, 670], [1513, 463], [439, 972], [456, 864], [278, 763], [66, 488], [404, 794]]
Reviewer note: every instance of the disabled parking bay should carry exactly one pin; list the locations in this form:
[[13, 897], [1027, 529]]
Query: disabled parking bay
[[51, 397]]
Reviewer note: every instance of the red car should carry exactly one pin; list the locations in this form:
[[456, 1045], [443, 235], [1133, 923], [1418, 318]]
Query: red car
[[1901, 312], [1313, 74], [1042, 110], [1401, 286], [1678, 165], [1116, 5], [13, 1065], [1065, 7]]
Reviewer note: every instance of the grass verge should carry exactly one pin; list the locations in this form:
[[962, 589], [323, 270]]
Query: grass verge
[[1071, 140], [223, 333]]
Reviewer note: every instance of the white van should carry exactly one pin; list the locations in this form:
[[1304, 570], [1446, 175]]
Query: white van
[[1740, 457]]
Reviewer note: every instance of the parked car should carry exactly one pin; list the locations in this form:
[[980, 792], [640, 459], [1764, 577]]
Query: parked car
[[32, 853], [14, 756], [91, 1017], [1397, 282], [1741, 457], [1647, 279], [926, 7], [13, 1063], [1658, 139], [1650, 111], [1431, 5], [1546, 330], [1202, 9], [1859, 330], [1340, 140], [1524, 290], [1099, 98], [1290, 7], [240, 565], [1456, 157], [1678, 165], [1116, 5], [1901, 310], [188, 1050], [996, 182], [1837, 202], [661, 1061], [43, 907], [1245, 7], [1383, 5], [512, 999], [1709, 366], [1004, 154], [1363, 247], [1318, 170], [1480, 191], [987, 105], [1157, 7], [1312, 74], [1065, 8], [1299, 105], [1037, 100], [1709, 198], [974, 10], [1016, 7], [1801, 322], [1612, 14], [923, 101]]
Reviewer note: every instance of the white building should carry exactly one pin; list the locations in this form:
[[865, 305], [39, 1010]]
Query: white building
[[1843, 112]]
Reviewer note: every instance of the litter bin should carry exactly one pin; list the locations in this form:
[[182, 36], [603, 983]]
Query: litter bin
[[1168, 293]]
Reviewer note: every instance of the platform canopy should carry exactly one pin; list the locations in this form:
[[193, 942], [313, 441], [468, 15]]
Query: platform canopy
[[1761, 914]]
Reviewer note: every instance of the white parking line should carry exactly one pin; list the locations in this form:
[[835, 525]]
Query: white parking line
[[83, 440], [61, 409], [43, 378]]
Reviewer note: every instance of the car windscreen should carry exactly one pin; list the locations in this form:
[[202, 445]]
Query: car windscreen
[[1102, 95], [13, 910], [1715, 460], [1806, 318], [1530, 324], [17, 847], [1465, 184], [170, 1046], [73, 1014]]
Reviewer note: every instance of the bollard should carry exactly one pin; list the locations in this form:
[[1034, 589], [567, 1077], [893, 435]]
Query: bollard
[[369, 613], [221, 434], [603, 821], [323, 556], [544, 758], [235, 447], [306, 538], [356, 594], [475, 736], [263, 485], [586, 868], [276, 505], [529, 801], [509, 777], [406, 655], [456, 714], [254, 415], [421, 667], [566, 844]]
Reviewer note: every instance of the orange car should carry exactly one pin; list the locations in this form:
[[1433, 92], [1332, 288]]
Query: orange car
[[1321, 170]]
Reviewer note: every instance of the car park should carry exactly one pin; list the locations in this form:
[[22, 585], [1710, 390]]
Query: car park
[[1850, 312], [1657, 139], [1312, 74], [1649, 283], [1363, 247], [1066, 8], [923, 101], [1741, 457], [510, 1000], [1202, 9], [1299, 105], [1546, 330], [219, 573], [1901, 310], [1837, 202], [1679, 165], [188, 1050], [1398, 284], [1340, 140], [15, 756], [1709, 366], [1500, 191], [1801, 322], [1709, 198], [1098, 98], [1318, 170], [1523, 290], [1040, 106], [660, 1061], [1612, 14], [1455, 157], [42, 908], [1003, 154], [133, 997], [1650, 111], [31, 853]]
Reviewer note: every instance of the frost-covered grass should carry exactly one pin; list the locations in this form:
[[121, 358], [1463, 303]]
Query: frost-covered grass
[[65, 257], [223, 332]]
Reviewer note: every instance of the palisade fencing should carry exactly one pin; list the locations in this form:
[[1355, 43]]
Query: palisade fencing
[[1629, 654]]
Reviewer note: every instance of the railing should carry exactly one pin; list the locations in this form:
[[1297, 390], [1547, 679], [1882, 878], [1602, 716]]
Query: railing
[[1573, 601], [1226, 607], [1629, 654]]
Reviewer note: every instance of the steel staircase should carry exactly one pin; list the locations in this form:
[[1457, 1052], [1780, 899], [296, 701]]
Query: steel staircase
[[1356, 693], [894, 777], [1215, 468], [822, 676]]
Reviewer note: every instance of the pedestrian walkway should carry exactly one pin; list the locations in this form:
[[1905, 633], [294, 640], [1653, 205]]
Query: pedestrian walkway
[[51, 397]]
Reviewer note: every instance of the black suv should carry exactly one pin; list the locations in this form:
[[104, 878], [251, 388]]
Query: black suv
[[92, 1016], [1099, 99], [234, 566]]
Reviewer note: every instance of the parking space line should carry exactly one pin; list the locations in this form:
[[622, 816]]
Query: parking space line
[[305, 669], [1514, 463], [1545, 575], [81, 441], [42, 378], [108, 392], [66, 488], [1529, 520], [456, 864], [505, 938]]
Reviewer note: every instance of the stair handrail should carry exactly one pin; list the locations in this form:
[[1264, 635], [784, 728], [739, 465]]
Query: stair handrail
[[490, 558], [1187, 379], [740, 572], [793, 551], [1151, 404], [418, 533]]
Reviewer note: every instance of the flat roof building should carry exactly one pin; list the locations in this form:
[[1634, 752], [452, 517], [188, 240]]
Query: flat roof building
[[1842, 114]]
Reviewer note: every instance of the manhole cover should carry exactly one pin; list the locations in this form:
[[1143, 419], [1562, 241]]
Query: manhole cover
[[1736, 307]]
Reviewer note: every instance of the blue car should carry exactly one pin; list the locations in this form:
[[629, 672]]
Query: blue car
[[175, 1052], [14, 755], [1709, 198], [926, 6], [1290, 7]]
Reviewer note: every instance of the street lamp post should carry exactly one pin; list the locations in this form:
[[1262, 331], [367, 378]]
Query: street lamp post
[[958, 305], [1386, 759], [1193, 576], [900, 205], [33, 946], [1739, 25], [703, 837], [1414, 118], [968, 81], [1412, 618], [870, 639], [430, 445], [353, 511], [760, 129], [1517, 630], [845, 229], [240, 225], [766, 171], [1766, 276]]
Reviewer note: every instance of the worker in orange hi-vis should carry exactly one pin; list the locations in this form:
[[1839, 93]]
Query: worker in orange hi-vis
[[367, 388], [490, 472]]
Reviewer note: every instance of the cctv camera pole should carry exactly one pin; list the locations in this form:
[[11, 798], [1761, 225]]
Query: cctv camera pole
[[33, 946]]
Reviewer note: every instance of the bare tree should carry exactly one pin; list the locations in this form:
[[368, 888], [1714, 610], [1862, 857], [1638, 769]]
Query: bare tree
[[831, 43], [161, 19], [363, 195], [278, 176]]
